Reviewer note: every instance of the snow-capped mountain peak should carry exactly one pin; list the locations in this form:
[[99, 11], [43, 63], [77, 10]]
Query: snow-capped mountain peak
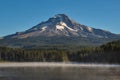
[[62, 25]]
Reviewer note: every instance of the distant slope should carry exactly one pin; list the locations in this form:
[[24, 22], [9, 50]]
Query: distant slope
[[1, 38], [39, 42]]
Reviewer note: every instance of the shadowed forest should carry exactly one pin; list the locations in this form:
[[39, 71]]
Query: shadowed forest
[[107, 53]]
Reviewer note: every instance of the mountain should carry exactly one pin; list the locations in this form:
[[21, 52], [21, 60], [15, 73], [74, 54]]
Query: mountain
[[1, 38], [62, 25], [61, 30]]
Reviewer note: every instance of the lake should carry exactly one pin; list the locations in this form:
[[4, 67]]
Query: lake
[[59, 72]]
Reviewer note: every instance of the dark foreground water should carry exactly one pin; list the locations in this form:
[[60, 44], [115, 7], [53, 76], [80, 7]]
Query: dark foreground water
[[60, 73]]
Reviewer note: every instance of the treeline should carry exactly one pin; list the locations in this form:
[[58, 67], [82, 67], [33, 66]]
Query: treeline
[[108, 53], [112, 46]]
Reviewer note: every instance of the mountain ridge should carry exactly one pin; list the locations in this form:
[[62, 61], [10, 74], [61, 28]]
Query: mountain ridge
[[62, 25], [59, 30]]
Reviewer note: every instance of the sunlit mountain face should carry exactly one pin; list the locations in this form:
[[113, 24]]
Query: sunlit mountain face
[[62, 25], [59, 29]]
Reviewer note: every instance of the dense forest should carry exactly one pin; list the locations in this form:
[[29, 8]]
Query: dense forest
[[107, 53]]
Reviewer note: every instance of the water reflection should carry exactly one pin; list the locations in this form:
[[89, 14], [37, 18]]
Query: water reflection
[[60, 73]]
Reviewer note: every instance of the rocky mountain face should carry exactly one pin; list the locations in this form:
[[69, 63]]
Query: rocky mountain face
[[1, 38], [59, 30], [62, 25]]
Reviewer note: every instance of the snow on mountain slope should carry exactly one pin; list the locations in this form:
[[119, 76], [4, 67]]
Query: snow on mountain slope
[[62, 25]]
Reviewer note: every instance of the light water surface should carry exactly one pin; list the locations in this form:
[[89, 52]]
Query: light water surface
[[59, 73]]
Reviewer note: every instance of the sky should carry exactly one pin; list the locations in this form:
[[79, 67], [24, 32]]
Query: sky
[[20, 15]]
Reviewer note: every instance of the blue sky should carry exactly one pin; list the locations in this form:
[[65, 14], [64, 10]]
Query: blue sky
[[20, 15]]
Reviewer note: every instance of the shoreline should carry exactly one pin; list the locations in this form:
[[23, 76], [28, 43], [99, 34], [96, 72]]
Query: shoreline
[[54, 64]]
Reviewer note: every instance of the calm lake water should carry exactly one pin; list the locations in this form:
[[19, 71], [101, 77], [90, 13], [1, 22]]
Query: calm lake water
[[60, 73]]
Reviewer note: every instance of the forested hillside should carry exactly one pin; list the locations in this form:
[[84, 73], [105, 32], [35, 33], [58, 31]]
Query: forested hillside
[[108, 53]]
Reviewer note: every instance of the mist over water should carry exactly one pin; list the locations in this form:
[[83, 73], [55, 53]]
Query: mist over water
[[60, 73]]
